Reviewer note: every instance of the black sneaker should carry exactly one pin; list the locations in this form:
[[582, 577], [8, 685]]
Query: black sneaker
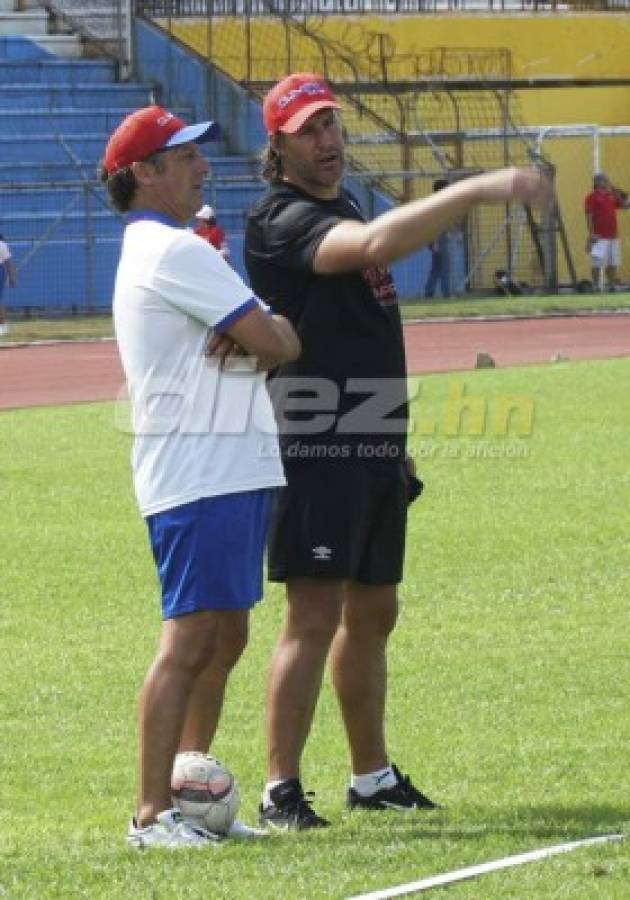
[[402, 796], [290, 810]]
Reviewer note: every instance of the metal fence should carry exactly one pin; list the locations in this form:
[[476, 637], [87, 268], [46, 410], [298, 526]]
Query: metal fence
[[197, 8], [542, 254], [65, 238], [65, 241]]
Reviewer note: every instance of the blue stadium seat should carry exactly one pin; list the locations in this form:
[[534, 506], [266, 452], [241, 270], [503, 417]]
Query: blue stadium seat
[[65, 121], [43, 97], [47, 71], [54, 148], [68, 226]]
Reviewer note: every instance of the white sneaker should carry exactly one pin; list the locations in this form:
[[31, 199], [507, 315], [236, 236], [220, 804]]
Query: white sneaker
[[170, 831], [241, 832]]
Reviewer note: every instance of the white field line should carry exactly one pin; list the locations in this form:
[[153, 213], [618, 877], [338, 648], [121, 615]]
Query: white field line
[[426, 884]]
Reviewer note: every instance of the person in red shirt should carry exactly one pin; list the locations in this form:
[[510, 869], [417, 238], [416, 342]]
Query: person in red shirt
[[602, 244], [208, 229]]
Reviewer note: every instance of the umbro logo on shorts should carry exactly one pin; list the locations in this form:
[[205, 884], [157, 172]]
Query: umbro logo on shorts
[[322, 554]]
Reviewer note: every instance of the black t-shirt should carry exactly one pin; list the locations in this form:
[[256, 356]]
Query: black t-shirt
[[347, 392]]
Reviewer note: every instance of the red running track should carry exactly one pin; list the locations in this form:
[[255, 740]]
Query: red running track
[[46, 374], [445, 346]]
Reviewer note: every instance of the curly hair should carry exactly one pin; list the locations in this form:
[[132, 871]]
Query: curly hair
[[122, 185], [271, 164]]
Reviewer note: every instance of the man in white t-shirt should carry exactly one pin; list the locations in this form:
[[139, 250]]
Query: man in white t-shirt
[[7, 273], [195, 344]]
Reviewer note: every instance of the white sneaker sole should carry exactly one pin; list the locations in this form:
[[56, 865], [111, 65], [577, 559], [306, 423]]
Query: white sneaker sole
[[139, 844]]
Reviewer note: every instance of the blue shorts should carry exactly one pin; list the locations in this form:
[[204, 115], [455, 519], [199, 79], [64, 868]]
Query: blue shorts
[[209, 553]]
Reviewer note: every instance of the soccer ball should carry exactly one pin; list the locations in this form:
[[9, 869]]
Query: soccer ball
[[204, 791]]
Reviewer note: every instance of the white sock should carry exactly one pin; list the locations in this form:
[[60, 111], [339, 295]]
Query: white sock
[[266, 798], [369, 784]]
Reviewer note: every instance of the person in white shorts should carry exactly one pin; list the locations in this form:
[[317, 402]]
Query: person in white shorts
[[200, 416], [602, 243]]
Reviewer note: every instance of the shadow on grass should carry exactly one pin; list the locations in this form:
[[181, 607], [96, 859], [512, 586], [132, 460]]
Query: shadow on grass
[[544, 823]]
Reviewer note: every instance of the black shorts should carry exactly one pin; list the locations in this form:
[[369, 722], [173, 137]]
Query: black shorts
[[340, 519]]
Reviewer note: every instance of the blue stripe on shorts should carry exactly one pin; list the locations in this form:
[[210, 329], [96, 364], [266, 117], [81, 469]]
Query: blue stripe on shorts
[[209, 553]]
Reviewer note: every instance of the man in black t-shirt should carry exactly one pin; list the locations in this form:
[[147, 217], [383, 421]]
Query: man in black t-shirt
[[338, 532]]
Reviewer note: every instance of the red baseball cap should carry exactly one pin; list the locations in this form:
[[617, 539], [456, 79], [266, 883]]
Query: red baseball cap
[[293, 100], [149, 129]]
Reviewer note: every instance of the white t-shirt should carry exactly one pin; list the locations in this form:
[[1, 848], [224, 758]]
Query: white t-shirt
[[199, 431], [5, 253]]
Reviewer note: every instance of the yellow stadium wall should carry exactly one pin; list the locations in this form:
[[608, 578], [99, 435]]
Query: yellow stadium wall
[[582, 46], [588, 46]]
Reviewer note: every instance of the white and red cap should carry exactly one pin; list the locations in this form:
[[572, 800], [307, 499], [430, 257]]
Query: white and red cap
[[293, 100], [147, 130]]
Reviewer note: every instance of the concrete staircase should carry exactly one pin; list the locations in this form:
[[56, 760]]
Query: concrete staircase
[[28, 19]]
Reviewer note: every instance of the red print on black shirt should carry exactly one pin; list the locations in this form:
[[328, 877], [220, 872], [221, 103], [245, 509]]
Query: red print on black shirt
[[380, 280]]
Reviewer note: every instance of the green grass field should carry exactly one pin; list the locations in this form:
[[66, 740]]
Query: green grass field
[[509, 670], [98, 326], [532, 305]]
